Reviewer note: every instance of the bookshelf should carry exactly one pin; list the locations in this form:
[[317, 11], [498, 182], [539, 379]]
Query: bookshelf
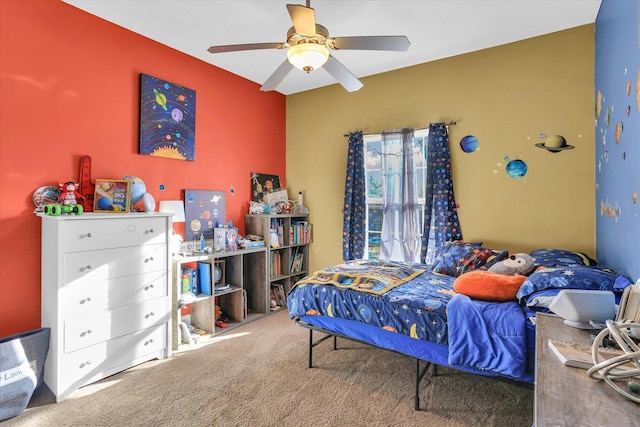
[[245, 299], [289, 261]]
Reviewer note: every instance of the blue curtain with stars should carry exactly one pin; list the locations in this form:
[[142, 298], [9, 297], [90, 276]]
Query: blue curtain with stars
[[353, 233], [441, 222]]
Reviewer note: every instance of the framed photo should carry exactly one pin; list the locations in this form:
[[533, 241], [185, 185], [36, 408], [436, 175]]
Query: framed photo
[[112, 196], [263, 184], [204, 211]]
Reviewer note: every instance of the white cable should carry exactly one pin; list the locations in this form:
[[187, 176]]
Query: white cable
[[608, 369]]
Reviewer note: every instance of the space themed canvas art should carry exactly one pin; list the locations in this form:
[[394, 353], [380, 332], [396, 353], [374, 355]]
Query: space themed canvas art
[[167, 119]]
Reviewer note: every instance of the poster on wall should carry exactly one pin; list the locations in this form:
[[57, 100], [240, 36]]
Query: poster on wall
[[204, 210], [263, 184], [167, 119]]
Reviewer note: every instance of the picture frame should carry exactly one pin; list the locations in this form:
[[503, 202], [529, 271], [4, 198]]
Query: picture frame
[[167, 119], [205, 210], [112, 196], [263, 184]]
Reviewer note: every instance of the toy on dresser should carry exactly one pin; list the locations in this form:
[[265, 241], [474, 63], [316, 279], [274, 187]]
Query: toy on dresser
[[68, 201]]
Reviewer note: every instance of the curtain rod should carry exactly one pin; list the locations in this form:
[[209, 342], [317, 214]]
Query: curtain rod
[[451, 123]]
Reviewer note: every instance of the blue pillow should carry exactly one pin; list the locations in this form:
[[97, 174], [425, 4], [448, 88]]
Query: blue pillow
[[569, 277], [561, 258], [459, 257]]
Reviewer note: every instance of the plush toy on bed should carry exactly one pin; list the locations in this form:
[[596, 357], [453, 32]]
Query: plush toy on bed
[[518, 264], [500, 283]]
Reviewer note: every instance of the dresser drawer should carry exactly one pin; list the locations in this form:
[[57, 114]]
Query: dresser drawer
[[89, 363], [85, 331], [83, 235], [91, 266], [101, 295]]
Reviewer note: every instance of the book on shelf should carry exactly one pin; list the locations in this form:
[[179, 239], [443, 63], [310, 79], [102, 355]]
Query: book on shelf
[[189, 278], [296, 266], [253, 243], [578, 355], [244, 304], [204, 277], [276, 263], [300, 233]]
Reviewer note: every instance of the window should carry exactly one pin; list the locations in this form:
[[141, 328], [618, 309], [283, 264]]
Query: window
[[374, 152]]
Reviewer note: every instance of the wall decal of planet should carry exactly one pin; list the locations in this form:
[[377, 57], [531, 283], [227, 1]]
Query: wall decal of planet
[[469, 144], [516, 169]]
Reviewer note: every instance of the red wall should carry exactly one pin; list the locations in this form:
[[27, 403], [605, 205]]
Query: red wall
[[69, 86]]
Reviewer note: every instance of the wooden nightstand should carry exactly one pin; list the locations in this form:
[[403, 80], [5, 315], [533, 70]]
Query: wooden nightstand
[[565, 396]]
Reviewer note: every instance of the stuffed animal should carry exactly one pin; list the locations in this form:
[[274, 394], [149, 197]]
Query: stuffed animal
[[518, 264]]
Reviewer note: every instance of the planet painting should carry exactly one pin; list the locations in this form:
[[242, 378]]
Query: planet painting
[[516, 169], [469, 144], [167, 119]]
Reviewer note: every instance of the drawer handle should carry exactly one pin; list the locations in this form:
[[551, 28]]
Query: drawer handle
[[87, 299], [150, 341], [151, 230], [88, 331], [149, 315], [146, 288], [82, 365], [89, 235], [87, 267], [148, 259]]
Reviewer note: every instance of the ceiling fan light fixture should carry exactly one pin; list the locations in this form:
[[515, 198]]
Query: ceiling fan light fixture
[[308, 56]]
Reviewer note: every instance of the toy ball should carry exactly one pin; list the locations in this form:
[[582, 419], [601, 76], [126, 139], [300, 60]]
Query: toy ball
[[104, 203], [137, 189]]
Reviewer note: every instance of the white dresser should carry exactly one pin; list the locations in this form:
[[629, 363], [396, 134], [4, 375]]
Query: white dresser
[[105, 295]]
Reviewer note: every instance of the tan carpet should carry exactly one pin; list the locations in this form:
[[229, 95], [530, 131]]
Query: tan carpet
[[257, 375]]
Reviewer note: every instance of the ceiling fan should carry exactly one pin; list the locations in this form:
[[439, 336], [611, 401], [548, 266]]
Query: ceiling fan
[[309, 44]]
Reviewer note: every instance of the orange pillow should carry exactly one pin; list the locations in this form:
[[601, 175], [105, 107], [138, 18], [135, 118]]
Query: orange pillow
[[488, 286]]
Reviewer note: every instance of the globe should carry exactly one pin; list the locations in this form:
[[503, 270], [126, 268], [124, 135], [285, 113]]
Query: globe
[[217, 274], [137, 189]]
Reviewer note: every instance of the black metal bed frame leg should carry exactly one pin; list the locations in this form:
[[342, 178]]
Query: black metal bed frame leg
[[419, 375], [313, 344], [310, 348]]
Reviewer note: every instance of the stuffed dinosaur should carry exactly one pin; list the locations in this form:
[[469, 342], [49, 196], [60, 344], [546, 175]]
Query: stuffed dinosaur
[[518, 264]]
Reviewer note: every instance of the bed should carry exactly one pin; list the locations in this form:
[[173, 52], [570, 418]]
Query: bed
[[414, 309]]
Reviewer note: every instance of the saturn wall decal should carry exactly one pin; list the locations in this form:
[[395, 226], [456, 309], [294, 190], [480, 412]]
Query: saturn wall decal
[[555, 144]]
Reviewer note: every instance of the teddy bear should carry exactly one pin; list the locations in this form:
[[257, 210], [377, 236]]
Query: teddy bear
[[518, 264]]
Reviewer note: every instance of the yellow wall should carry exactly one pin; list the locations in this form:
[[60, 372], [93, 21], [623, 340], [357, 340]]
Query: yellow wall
[[505, 96]]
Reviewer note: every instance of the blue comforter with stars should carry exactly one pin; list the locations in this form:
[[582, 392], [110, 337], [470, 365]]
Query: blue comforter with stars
[[479, 335]]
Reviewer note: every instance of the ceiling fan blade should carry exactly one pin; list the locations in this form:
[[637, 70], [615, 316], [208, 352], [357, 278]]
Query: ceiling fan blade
[[394, 43], [250, 46], [303, 18], [342, 75], [278, 75]]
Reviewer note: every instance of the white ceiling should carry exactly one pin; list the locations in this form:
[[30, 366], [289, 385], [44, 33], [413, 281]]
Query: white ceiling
[[436, 29]]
